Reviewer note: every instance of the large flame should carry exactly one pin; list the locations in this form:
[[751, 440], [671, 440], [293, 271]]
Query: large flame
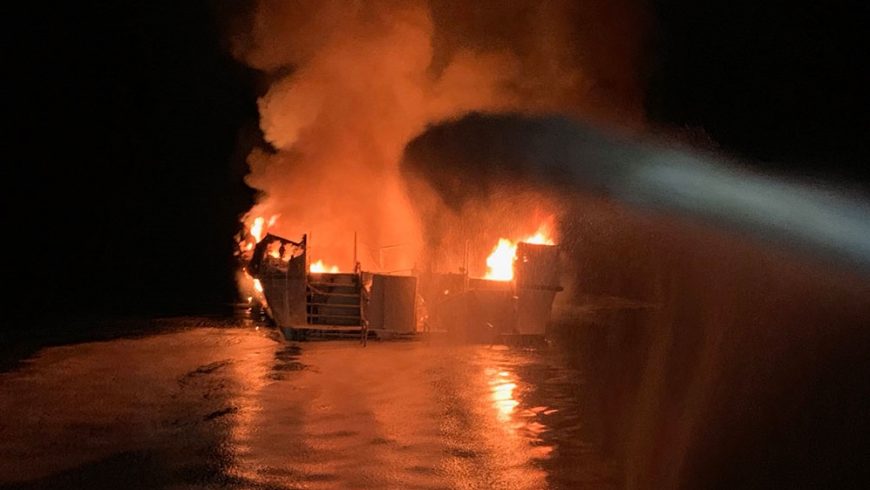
[[257, 228], [254, 231], [368, 77], [319, 266], [250, 288], [500, 262]]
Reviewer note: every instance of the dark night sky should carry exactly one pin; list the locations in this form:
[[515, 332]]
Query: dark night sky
[[126, 180]]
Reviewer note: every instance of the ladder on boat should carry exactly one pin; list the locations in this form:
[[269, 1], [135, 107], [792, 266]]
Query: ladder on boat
[[334, 304]]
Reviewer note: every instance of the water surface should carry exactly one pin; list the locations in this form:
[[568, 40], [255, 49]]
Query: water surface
[[200, 407]]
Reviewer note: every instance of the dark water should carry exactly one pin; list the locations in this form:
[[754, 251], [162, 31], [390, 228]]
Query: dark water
[[204, 407], [754, 384]]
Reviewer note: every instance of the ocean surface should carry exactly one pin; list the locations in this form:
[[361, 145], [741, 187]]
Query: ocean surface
[[234, 405]]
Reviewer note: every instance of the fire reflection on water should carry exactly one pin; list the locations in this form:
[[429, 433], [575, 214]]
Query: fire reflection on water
[[240, 405], [503, 393], [428, 416], [525, 424]]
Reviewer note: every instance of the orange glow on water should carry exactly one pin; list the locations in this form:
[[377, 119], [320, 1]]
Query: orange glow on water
[[502, 395], [502, 387]]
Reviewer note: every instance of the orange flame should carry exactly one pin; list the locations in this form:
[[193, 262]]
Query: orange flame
[[500, 263], [257, 228], [251, 288], [274, 250], [319, 266], [254, 231]]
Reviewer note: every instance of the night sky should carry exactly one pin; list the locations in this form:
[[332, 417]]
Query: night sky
[[130, 124]]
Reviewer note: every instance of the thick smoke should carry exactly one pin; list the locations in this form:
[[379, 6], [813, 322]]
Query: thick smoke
[[561, 154], [353, 82]]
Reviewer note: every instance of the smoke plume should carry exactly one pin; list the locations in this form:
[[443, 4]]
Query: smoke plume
[[351, 83]]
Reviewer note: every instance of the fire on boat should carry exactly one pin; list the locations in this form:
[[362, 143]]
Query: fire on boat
[[307, 298]]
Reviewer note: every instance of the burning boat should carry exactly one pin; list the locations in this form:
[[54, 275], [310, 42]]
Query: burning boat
[[304, 299]]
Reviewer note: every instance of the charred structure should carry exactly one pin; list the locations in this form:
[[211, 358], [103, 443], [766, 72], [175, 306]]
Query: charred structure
[[302, 302]]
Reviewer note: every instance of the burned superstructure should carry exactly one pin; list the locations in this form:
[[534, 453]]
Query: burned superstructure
[[303, 302], [480, 309]]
